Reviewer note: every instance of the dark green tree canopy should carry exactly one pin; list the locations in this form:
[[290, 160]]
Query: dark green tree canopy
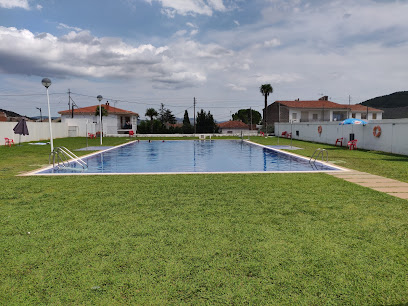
[[266, 89], [205, 123], [187, 127], [151, 112], [186, 119], [104, 111], [245, 116], [166, 116]]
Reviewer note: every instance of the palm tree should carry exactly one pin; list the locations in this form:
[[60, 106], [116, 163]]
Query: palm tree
[[151, 112], [265, 90]]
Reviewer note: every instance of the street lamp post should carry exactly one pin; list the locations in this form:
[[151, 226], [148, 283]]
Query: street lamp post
[[100, 116], [47, 83]]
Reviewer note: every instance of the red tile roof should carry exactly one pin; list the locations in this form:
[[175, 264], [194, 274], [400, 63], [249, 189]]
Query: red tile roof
[[311, 104], [363, 108], [320, 104], [92, 110], [233, 125]]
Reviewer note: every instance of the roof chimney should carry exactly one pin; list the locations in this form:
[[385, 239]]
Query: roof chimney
[[324, 98]]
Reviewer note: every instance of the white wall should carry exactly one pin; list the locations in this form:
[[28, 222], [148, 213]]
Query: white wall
[[238, 132], [90, 124], [393, 139], [37, 130]]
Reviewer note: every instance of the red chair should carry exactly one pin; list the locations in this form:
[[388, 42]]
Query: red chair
[[339, 140], [288, 135], [352, 144], [90, 135], [284, 134], [8, 142], [131, 133]]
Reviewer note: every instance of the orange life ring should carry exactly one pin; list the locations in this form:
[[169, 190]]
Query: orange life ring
[[377, 131], [319, 129]]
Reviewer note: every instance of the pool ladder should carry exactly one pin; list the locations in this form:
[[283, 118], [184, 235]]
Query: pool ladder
[[319, 152], [61, 157]]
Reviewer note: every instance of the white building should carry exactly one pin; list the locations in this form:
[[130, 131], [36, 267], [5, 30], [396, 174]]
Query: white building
[[84, 120], [235, 127]]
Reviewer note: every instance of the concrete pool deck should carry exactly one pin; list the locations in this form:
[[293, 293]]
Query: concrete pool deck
[[389, 186]]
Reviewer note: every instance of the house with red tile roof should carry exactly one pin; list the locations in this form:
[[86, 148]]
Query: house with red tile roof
[[233, 127], [318, 110], [84, 120]]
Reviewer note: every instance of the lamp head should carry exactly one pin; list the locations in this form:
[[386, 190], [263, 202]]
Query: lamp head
[[46, 82], [99, 98]]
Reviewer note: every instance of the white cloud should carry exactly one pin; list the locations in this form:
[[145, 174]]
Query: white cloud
[[15, 4], [190, 7], [64, 26], [183, 63], [39, 7], [237, 22], [272, 43], [236, 87]]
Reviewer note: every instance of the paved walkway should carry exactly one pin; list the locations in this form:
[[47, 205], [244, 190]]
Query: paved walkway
[[376, 182]]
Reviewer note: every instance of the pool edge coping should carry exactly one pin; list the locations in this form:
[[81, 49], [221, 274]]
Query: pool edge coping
[[35, 172]]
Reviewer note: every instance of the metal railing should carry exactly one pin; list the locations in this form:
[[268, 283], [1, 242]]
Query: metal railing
[[63, 157], [319, 152]]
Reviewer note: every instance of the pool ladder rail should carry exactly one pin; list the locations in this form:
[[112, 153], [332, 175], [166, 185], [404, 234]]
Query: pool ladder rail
[[62, 156], [319, 152]]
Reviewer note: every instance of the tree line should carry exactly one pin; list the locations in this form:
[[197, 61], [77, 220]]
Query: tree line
[[163, 121]]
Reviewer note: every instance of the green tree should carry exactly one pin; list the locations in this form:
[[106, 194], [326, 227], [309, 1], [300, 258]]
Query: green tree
[[265, 90], [166, 116], [104, 112], [151, 112], [205, 123], [169, 117], [245, 116], [187, 127]]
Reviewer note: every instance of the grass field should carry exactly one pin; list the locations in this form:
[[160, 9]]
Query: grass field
[[199, 239]]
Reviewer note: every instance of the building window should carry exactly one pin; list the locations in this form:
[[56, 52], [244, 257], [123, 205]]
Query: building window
[[363, 115], [353, 115], [315, 117], [294, 116], [374, 116]]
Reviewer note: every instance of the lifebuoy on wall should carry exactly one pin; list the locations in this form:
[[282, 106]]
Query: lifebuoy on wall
[[319, 129], [377, 131]]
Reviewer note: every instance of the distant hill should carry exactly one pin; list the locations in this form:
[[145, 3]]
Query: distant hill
[[394, 105], [10, 113]]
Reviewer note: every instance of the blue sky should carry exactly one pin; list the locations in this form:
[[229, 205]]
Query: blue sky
[[140, 53]]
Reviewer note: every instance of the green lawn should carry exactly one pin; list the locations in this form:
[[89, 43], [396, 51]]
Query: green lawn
[[197, 239], [375, 162]]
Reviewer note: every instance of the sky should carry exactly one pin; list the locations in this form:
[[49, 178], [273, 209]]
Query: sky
[[138, 54]]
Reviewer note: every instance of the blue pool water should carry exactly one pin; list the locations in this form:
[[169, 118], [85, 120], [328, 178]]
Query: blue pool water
[[192, 156]]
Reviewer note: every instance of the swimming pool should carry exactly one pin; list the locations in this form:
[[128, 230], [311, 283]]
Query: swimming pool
[[186, 156]]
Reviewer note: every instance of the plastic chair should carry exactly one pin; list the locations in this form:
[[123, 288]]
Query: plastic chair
[[90, 135], [352, 144], [339, 140], [8, 142], [288, 135], [284, 134], [131, 133]]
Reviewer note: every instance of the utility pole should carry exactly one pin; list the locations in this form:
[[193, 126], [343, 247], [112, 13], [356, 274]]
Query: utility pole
[[348, 116], [250, 111], [69, 103], [195, 130]]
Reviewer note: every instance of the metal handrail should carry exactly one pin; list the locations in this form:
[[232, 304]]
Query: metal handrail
[[63, 155], [319, 151]]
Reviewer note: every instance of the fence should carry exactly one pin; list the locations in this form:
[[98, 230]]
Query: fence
[[37, 131], [393, 138]]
